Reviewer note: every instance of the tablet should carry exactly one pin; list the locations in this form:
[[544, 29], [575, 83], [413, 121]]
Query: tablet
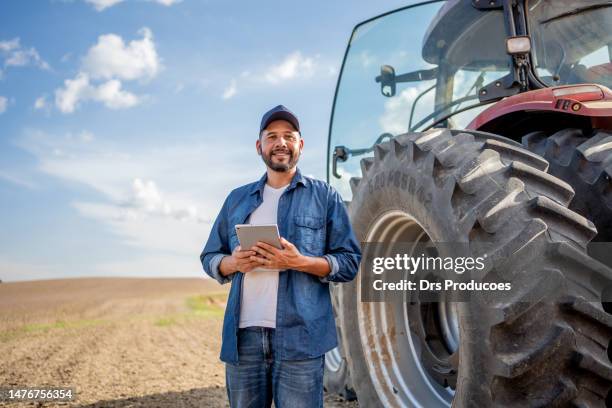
[[248, 235]]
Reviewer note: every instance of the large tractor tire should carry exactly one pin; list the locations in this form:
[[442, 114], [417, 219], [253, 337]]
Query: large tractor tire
[[471, 187], [583, 159]]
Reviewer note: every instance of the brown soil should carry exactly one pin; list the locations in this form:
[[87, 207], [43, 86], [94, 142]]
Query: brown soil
[[119, 342]]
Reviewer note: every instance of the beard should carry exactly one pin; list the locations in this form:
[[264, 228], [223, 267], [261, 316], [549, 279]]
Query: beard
[[280, 167]]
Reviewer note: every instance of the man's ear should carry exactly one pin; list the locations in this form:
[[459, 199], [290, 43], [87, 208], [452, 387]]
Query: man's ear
[[258, 146]]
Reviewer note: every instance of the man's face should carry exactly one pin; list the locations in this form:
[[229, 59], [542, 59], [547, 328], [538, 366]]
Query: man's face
[[280, 146]]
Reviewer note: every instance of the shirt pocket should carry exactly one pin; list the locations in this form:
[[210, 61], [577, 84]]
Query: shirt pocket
[[310, 234]]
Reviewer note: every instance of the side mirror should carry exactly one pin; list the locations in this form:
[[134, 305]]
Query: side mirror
[[387, 80]]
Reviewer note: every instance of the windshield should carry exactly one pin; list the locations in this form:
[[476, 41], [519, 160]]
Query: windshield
[[572, 41], [424, 59]]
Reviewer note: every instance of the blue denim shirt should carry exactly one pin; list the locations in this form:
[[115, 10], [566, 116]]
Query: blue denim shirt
[[313, 217]]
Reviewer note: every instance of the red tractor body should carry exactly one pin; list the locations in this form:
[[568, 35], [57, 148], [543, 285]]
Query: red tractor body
[[590, 101]]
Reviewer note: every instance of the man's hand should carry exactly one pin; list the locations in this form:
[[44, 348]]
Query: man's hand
[[239, 261], [270, 257]]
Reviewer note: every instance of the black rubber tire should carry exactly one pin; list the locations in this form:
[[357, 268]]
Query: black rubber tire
[[338, 381], [554, 352], [583, 159]]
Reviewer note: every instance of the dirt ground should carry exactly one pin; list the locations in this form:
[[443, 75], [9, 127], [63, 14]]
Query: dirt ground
[[119, 342]]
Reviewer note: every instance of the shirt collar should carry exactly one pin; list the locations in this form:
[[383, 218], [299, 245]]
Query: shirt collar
[[297, 179]]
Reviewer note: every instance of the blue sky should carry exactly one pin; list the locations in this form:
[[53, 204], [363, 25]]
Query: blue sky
[[124, 124]]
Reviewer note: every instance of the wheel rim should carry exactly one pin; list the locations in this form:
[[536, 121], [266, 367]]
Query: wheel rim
[[449, 322], [392, 351], [333, 359]]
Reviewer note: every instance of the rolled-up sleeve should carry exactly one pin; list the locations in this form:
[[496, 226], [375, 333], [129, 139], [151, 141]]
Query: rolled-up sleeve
[[343, 252], [217, 247]]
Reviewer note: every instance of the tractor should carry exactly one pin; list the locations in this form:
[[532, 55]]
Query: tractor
[[486, 123]]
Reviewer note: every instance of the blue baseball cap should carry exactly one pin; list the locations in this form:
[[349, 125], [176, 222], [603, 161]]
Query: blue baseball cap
[[279, 112]]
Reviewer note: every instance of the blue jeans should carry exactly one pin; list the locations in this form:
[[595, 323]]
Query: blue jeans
[[259, 378]]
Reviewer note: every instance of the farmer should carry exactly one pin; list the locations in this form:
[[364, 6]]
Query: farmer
[[279, 322]]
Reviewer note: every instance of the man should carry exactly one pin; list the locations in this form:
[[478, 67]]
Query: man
[[279, 322]]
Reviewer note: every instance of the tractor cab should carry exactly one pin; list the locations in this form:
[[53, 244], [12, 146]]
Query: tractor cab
[[441, 63]]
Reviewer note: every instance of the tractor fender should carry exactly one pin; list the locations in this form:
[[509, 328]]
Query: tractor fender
[[582, 102]]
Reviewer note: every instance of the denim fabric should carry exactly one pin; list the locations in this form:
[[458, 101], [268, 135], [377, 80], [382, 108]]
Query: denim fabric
[[311, 215], [259, 377]]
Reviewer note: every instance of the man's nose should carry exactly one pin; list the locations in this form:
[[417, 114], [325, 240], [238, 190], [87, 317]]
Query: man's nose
[[281, 142]]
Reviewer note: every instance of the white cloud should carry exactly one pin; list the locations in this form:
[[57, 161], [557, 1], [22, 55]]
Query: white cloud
[[85, 136], [396, 116], [112, 58], [230, 91], [295, 65], [146, 231], [101, 5], [15, 55], [157, 199], [22, 58], [3, 104], [9, 45], [67, 98], [87, 160], [17, 179], [66, 57], [40, 102], [79, 89], [366, 58], [111, 94], [145, 196], [168, 2]]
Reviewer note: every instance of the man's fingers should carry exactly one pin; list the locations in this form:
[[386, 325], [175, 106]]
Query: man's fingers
[[267, 247], [248, 265], [244, 254], [286, 243], [260, 260], [264, 252]]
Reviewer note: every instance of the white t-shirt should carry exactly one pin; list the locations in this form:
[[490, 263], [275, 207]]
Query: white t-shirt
[[260, 286]]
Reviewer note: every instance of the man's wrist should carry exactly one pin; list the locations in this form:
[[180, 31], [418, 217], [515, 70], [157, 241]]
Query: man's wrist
[[228, 265], [302, 263], [317, 266]]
